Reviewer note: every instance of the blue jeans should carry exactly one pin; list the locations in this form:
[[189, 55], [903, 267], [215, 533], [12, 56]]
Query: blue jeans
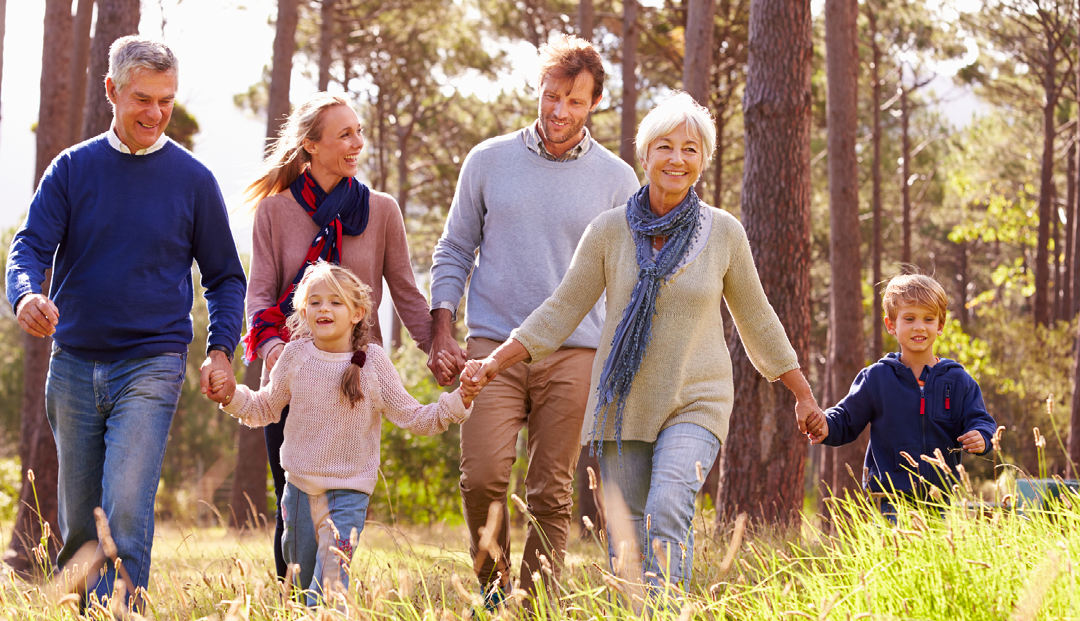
[[334, 515], [658, 483], [111, 424]]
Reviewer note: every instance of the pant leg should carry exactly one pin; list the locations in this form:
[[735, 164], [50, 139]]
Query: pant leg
[[558, 391], [299, 543], [670, 506], [275, 435], [78, 428], [626, 479], [488, 451], [336, 514], [143, 394]]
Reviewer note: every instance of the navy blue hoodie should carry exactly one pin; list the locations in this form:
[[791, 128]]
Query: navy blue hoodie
[[904, 417]]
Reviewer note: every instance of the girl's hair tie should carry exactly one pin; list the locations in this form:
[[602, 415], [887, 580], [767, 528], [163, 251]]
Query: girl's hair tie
[[359, 357]]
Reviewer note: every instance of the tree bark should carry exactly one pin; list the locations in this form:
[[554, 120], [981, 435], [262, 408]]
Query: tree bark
[[326, 42], [80, 60], [697, 59], [37, 449], [248, 499], [845, 353], [905, 172], [629, 77], [764, 455], [277, 105], [1068, 310], [115, 19], [585, 20], [875, 113], [1046, 179]]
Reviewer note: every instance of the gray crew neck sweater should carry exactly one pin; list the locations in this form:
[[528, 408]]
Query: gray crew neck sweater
[[525, 216]]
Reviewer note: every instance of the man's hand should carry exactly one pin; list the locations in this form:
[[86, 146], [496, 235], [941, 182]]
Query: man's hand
[[973, 442], [273, 355], [446, 358], [217, 361], [37, 315], [218, 379]]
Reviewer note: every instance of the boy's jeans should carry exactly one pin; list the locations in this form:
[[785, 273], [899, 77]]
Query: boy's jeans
[[659, 480], [347, 510], [111, 423]]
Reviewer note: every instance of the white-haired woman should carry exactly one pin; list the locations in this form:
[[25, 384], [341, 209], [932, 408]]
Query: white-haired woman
[[309, 205], [662, 381]]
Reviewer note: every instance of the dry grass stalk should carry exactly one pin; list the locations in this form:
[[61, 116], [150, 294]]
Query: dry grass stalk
[[1039, 584], [733, 545], [488, 531]]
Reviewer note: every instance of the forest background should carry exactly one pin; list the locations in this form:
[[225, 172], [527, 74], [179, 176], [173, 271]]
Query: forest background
[[879, 178]]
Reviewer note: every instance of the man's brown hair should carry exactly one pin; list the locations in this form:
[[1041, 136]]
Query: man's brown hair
[[566, 57]]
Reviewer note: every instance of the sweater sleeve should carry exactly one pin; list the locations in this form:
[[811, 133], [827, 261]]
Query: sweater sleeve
[[548, 327], [848, 418], [262, 407], [406, 412], [455, 253], [33, 247], [220, 269], [976, 417], [265, 278], [398, 272], [760, 329]]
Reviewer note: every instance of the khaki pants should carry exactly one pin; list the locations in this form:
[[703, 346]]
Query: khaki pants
[[548, 398]]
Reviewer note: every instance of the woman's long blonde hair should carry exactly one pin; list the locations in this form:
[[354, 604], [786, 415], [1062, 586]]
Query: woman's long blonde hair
[[287, 158], [356, 295]]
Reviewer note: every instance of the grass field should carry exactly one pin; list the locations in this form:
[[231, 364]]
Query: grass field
[[993, 564]]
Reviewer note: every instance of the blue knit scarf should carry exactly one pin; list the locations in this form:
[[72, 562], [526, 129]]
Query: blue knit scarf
[[635, 328]]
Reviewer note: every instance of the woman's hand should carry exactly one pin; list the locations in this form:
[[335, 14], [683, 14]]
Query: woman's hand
[[478, 373], [273, 355]]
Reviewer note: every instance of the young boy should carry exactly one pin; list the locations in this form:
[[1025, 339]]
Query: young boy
[[914, 401]]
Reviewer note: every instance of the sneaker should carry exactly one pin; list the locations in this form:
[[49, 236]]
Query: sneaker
[[493, 596]]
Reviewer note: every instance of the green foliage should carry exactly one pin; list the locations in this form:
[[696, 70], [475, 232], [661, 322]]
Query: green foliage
[[10, 486], [182, 126], [419, 474]]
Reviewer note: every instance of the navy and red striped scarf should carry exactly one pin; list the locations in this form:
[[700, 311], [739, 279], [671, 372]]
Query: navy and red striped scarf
[[344, 211]]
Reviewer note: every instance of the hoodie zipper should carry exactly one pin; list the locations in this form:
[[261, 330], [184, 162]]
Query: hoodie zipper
[[946, 397]]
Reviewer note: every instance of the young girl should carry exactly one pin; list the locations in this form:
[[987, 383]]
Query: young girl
[[338, 386]]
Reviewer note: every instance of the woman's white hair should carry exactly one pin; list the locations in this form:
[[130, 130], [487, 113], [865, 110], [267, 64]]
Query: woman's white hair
[[671, 113]]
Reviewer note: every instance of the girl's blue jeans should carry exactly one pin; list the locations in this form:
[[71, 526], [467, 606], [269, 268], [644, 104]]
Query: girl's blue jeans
[[658, 482], [334, 514]]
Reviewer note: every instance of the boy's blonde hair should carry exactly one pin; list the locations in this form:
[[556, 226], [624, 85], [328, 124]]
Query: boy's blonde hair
[[914, 290], [357, 295]]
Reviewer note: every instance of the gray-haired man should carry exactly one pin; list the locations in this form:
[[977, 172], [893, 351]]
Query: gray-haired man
[[124, 215]]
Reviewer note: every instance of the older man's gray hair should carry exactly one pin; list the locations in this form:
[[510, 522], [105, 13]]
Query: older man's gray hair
[[131, 53], [666, 117]]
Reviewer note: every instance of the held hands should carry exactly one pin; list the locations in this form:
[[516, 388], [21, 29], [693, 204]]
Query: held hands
[[811, 420], [216, 379], [37, 315], [476, 375], [973, 442]]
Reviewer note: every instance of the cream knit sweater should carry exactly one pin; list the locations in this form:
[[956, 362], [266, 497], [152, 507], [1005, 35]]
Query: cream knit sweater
[[330, 444], [685, 376]]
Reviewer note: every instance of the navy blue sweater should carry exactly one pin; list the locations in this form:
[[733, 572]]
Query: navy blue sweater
[[887, 397], [124, 230]]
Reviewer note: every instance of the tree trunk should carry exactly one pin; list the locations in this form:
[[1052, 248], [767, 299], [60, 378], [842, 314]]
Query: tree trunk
[[1046, 179], [629, 75], [277, 105], [718, 159], [37, 449], [845, 354], [1054, 286], [248, 500], [764, 455], [326, 42], [585, 20], [905, 173], [80, 60], [1068, 310], [115, 19], [697, 59], [875, 103]]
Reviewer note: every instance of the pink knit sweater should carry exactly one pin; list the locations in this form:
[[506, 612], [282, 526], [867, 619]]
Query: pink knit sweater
[[330, 444], [280, 240]]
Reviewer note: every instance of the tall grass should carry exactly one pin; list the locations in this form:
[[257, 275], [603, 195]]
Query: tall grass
[[937, 561]]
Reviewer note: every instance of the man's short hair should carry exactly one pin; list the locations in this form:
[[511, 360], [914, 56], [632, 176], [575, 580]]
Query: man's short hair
[[566, 57], [914, 290], [668, 115], [133, 52]]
